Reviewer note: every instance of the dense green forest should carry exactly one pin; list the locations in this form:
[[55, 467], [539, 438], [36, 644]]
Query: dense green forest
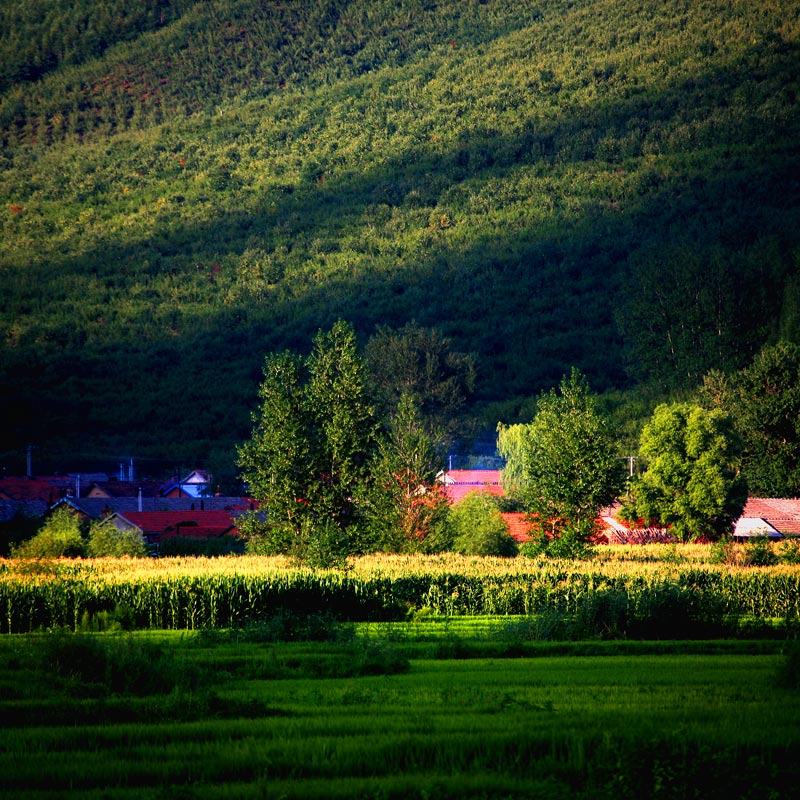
[[188, 185]]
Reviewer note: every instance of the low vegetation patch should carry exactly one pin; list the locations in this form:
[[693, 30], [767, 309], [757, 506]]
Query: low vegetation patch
[[622, 592], [381, 717]]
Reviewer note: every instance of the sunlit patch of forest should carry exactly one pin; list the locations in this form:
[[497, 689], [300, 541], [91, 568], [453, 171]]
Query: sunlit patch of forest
[[186, 186]]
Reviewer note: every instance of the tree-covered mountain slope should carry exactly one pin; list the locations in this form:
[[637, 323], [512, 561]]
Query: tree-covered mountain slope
[[186, 186]]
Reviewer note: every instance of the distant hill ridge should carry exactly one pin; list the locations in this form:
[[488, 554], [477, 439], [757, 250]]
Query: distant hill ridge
[[185, 186]]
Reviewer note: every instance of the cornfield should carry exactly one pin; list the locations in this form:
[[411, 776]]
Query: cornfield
[[193, 593]]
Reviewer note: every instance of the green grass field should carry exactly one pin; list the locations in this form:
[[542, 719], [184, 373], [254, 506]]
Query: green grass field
[[166, 714]]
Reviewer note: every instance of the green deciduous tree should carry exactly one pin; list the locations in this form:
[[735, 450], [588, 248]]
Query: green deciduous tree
[[310, 446], [406, 505], [343, 425], [478, 528], [60, 536], [691, 482], [763, 400], [570, 467], [277, 463]]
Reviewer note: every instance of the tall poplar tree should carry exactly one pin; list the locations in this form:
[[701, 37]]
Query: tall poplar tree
[[342, 421], [277, 462], [310, 446]]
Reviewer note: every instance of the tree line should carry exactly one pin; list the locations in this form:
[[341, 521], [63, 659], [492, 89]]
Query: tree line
[[346, 457], [334, 478]]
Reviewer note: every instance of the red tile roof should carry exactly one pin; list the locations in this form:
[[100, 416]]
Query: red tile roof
[[518, 525], [162, 522], [460, 482], [30, 489], [473, 476], [782, 513]]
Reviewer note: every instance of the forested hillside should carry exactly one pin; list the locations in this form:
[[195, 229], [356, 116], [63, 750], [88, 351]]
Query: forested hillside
[[186, 186]]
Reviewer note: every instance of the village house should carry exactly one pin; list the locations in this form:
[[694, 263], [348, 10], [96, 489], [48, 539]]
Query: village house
[[196, 484], [155, 526], [97, 508], [43, 489], [458, 483], [773, 517]]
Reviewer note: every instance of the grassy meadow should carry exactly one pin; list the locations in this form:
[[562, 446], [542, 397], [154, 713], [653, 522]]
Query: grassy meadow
[[643, 672], [366, 716]]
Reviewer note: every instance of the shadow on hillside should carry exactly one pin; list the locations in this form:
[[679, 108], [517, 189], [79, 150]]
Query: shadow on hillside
[[540, 297]]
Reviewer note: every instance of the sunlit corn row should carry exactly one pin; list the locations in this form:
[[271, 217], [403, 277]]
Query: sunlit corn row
[[191, 593]]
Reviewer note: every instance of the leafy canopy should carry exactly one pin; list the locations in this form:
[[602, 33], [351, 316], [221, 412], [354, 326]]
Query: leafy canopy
[[310, 445], [107, 540], [406, 506], [478, 529], [691, 482], [60, 536], [763, 400], [570, 467]]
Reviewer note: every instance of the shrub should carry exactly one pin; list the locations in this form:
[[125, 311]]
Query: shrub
[[723, 551], [286, 626], [106, 540], [570, 544], [322, 544], [319, 543], [262, 539], [758, 552], [478, 529], [59, 537], [117, 664], [121, 618], [788, 551]]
